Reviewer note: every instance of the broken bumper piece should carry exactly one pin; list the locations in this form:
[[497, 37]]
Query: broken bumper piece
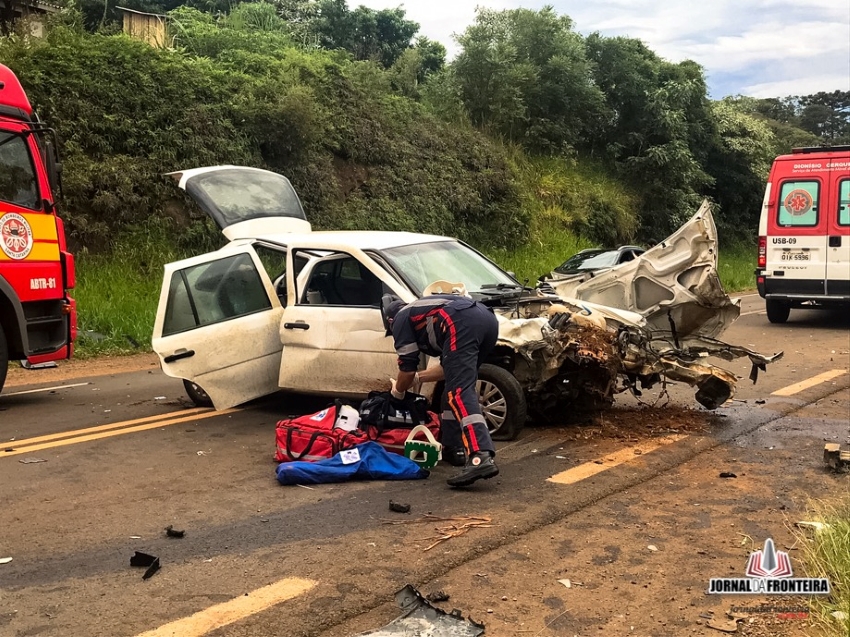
[[421, 619]]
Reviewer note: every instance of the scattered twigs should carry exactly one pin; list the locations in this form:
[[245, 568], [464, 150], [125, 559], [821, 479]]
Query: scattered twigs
[[457, 526]]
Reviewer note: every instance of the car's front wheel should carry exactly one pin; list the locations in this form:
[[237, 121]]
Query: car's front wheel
[[502, 402], [777, 311], [197, 394]]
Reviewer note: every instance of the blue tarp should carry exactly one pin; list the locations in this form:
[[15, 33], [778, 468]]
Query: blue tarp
[[375, 463]]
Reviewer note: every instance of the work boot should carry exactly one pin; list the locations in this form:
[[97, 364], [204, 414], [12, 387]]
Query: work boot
[[455, 456], [479, 465]]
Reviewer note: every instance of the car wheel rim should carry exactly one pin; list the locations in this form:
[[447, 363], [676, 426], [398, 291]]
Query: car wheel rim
[[494, 406], [200, 392]]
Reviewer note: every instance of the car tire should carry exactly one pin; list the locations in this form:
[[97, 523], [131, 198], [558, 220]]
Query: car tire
[[777, 311], [197, 394], [502, 402], [4, 357]]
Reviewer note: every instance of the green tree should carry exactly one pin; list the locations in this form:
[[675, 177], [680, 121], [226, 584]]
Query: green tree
[[523, 74], [780, 116], [739, 161], [658, 128], [381, 36], [414, 66], [827, 115]]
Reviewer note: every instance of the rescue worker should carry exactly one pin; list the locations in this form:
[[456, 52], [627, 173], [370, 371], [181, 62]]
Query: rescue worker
[[461, 332]]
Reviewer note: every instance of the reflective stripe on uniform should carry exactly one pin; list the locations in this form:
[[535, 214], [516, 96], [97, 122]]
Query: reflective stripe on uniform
[[407, 349]]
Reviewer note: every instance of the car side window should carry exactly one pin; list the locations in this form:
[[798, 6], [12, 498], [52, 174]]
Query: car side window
[[798, 204], [340, 279], [214, 292], [844, 203]]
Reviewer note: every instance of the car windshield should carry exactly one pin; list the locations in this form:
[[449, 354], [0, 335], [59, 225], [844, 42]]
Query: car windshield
[[18, 183], [589, 260], [423, 263]]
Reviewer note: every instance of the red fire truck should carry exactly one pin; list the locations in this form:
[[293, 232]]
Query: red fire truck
[[38, 320]]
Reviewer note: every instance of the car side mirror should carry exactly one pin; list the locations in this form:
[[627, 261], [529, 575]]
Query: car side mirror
[[512, 274], [386, 301]]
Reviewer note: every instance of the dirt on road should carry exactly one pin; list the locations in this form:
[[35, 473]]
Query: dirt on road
[[81, 368]]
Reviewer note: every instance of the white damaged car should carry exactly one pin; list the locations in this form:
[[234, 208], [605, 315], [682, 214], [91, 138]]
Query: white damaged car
[[283, 307]]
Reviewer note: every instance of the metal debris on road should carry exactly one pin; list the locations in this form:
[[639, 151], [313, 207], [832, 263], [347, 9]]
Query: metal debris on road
[[459, 526], [422, 619], [724, 625], [836, 459], [397, 507], [727, 474], [143, 559], [170, 531], [817, 526], [652, 548], [5, 560], [438, 596], [31, 460], [566, 583]]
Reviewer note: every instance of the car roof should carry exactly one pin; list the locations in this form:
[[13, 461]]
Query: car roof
[[361, 239]]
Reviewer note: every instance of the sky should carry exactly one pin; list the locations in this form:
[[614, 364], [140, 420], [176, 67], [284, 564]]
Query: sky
[[762, 48]]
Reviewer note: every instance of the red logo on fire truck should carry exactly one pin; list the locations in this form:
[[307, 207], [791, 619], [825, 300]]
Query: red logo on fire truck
[[798, 202], [15, 236]]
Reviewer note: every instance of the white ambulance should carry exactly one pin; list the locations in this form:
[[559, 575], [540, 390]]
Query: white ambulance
[[804, 232]]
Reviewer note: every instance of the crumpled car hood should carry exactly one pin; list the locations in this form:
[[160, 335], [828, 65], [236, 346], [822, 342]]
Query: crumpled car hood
[[652, 319], [674, 285]]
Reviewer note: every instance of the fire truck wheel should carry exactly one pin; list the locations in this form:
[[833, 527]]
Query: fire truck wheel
[[197, 394], [4, 357]]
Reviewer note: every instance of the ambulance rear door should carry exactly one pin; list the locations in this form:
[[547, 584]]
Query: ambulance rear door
[[838, 241], [797, 230]]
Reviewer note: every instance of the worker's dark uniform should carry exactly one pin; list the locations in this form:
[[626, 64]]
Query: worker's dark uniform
[[462, 333]]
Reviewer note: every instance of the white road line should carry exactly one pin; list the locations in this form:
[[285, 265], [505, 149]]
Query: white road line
[[745, 296], [796, 388], [588, 469], [34, 391], [754, 312], [226, 613]]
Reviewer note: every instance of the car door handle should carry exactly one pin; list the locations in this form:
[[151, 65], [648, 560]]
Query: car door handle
[[297, 326], [835, 242], [178, 355]]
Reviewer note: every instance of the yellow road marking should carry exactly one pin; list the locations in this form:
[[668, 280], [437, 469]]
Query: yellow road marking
[[588, 469], [114, 425], [809, 382], [237, 608], [61, 440]]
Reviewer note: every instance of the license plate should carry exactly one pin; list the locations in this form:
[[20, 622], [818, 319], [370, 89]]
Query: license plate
[[796, 255]]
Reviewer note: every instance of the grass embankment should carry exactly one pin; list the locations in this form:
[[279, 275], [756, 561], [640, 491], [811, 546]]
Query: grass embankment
[[826, 553], [117, 296]]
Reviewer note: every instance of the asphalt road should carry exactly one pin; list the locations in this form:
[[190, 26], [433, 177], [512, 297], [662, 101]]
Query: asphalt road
[[93, 469]]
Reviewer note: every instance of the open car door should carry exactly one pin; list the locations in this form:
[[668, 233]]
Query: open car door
[[217, 325], [244, 202], [334, 340]]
